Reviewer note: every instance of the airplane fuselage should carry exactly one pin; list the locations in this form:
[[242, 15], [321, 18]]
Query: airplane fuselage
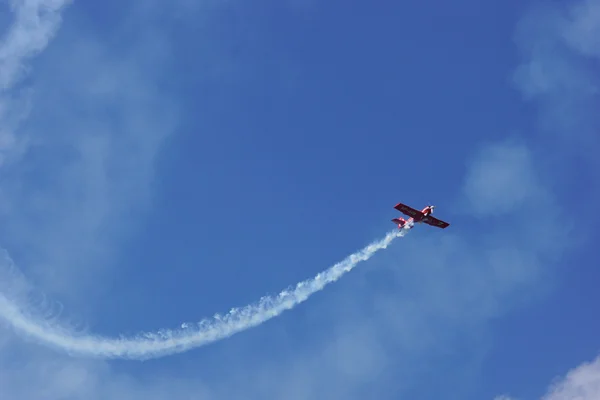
[[417, 219], [424, 212]]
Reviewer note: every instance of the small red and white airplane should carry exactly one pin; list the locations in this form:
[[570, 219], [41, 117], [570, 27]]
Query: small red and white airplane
[[423, 216]]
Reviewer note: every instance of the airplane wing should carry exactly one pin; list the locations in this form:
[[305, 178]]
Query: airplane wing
[[411, 212], [429, 220]]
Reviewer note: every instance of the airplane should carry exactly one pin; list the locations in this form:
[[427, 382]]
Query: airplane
[[423, 216]]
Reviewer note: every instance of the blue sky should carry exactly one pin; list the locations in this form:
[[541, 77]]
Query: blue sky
[[162, 163]]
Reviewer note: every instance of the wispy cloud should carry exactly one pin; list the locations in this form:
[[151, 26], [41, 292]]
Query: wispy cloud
[[35, 24], [581, 383], [560, 48], [560, 52], [92, 136], [502, 178]]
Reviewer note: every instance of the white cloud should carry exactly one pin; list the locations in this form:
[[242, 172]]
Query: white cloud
[[581, 383], [560, 52], [96, 127], [582, 29], [502, 178], [35, 24]]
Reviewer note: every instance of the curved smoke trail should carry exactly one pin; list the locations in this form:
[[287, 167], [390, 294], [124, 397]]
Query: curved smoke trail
[[35, 25], [162, 343]]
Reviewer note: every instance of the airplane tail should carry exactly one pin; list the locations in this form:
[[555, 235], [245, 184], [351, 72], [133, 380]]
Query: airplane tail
[[399, 221]]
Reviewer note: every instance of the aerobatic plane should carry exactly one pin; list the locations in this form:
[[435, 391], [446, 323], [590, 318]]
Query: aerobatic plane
[[417, 217]]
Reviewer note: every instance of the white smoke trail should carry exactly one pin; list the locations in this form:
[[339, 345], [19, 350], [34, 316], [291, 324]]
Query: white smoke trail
[[162, 343], [36, 23]]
